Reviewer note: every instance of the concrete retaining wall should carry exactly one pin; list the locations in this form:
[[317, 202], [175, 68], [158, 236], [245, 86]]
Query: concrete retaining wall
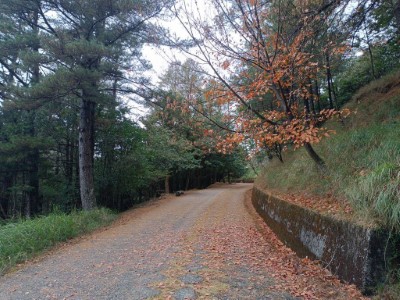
[[356, 254]]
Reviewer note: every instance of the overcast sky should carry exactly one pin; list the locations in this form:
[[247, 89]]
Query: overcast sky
[[160, 57]]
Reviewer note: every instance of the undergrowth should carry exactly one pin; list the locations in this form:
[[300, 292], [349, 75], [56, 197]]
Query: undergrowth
[[21, 240], [249, 175], [363, 158]]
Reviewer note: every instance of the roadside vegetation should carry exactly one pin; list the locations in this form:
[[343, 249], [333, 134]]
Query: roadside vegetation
[[363, 157], [67, 129], [363, 163], [23, 239], [70, 71]]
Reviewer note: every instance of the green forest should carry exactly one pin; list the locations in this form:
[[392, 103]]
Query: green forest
[[67, 139], [301, 97], [260, 79]]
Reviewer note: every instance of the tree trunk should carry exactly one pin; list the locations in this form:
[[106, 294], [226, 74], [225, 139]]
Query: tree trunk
[[329, 81], [69, 161], [307, 106], [253, 167], [5, 195], [312, 96], [34, 156], [187, 182], [276, 149], [33, 194], [77, 188], [396, 14], [86, 153], [335, 98], [371, 57], [27, 207], [315, 157], [317, 95], [167, 188]]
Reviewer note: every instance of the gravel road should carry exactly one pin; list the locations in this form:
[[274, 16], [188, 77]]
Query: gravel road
[[205, 244]]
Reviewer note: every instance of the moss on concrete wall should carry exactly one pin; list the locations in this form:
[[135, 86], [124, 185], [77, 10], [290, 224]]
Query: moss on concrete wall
[[356, 254]]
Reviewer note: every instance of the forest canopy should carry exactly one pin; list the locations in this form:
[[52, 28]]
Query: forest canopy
[[260, 77]]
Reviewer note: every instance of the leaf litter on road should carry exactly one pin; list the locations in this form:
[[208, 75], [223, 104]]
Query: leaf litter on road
[[213, 236], [243, 258]]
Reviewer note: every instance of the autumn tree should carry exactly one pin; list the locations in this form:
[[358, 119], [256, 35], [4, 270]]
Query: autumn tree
[[181, 108], [373, 34], [260, 48]]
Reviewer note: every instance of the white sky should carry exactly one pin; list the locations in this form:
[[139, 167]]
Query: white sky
[[161, 57]]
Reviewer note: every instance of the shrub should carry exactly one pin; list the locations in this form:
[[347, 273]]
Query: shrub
[[21, 240]]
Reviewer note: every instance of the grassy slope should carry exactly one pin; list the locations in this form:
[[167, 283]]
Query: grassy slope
[[22, 240], [363, 157]]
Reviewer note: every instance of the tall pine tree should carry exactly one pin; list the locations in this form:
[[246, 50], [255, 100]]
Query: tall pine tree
[[89, 45]]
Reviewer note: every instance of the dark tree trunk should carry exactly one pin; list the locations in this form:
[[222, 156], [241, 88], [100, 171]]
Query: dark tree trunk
[[25, 208], [187, 186], [5, 199], [86, 153], [174, 183], [335, 99], [69, 161], [253, 167], [371, 57], [77, 188], [3, 208], [329, 81], [318, 160], [396, 14], [33, 194], [317, 95], [315, 157], [312, 98], [33, 158], [58, 159], [307, 106], [312, 105], [166, 184], [278, 152]]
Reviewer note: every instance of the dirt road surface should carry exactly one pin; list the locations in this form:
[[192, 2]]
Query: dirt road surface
[[206, 244]]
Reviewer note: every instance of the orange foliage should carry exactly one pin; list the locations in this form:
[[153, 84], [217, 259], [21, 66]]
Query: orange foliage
[[280, 65]]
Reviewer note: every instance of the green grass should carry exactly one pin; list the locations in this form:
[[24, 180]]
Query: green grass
[[363, 158], [249, 175], [391, 289], [22, 240]]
